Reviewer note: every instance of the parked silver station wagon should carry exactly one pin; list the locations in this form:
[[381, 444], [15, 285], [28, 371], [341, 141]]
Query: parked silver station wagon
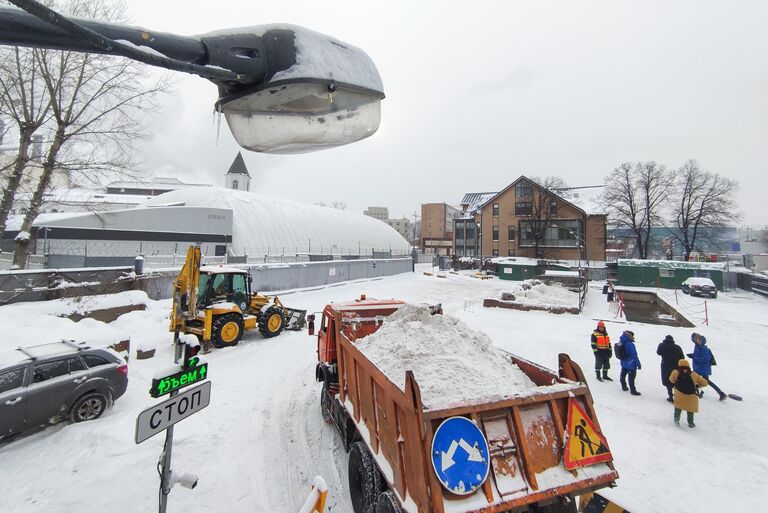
[[47, 383]]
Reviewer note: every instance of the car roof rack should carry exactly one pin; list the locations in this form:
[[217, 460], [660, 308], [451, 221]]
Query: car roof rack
[[50, 349]]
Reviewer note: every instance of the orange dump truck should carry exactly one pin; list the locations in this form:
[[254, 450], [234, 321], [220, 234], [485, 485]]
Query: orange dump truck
[[530, 451]]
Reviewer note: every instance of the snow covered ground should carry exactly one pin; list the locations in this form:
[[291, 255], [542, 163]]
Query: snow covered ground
[[260, 442]]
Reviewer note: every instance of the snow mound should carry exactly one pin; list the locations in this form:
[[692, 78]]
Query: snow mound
[[451, 362], [535, 292]]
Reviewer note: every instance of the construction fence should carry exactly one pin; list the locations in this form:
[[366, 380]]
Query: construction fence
[[46, 284]]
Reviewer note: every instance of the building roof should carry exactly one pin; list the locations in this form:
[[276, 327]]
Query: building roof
[[266, 225], [475, 200], [585, 197], [158, 184], [238, 166]]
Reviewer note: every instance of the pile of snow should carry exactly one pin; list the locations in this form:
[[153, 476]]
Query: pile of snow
[[536, 292], [451, 362]]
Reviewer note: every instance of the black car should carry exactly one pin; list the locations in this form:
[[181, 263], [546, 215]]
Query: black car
[[698, 286], [47, 383]]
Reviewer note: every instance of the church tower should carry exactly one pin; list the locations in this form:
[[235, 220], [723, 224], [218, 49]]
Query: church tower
[[237, 177]]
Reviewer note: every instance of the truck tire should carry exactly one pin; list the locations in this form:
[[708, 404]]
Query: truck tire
[[388, 503], [227, 330], [364, 479], [271, 322], [325, 405]]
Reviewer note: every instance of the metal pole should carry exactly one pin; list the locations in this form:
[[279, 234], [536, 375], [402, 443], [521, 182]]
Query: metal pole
[[165, 480]]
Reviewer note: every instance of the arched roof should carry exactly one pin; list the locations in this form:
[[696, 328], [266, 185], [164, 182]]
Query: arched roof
[[266, 225]]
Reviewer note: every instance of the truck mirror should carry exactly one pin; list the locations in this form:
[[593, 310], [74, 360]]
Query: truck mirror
[[311, 321]]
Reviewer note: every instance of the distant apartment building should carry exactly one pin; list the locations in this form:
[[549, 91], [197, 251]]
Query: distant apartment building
[[437, 228], [380, 213], [403, 226], [569, 224]]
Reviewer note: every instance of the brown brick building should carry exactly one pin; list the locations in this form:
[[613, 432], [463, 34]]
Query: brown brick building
[[528, 220], [437, 228]]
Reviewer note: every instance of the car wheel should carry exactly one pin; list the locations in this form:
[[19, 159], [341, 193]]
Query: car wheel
[[88, 407], [325, 405], [227, 330]]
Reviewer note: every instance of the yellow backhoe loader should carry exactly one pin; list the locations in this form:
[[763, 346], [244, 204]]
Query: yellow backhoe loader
[[216, 304]]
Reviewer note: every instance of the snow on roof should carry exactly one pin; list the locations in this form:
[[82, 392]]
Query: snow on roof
[[14, 222], [451, 362], [515, 261], [266, 225], [475, 200], [672, 264], [586, 198]]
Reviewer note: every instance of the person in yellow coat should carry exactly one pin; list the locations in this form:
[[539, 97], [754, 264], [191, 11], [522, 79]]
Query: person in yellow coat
[[686, 398]]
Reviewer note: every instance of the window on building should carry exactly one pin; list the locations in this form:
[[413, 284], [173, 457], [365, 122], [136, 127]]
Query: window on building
[[511, 252], [510, 233], [564, 234], [523, 208], [495, 233], [523, 190], [495, 210], [495, 252], [235, 185], [553, 207]]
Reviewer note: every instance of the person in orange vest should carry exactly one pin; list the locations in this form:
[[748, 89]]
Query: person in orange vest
[[601, 346]]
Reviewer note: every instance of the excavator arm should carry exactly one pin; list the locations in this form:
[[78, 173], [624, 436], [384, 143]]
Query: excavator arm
[[185, 289]]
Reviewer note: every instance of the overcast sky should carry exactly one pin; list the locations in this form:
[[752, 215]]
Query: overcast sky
[[479, 93]]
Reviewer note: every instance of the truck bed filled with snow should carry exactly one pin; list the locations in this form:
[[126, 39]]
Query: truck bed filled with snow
[[451, 362]]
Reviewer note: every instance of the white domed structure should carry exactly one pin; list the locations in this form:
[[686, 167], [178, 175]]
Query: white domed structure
[[264, 225]]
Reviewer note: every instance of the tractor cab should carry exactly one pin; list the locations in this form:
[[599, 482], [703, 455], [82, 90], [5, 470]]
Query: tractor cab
[[223, 285]]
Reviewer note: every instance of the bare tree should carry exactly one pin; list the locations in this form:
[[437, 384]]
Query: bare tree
[[339, 205], [654, 182], [622, 200], [542, 208], [25, 99], [97, 101], [702, 200]]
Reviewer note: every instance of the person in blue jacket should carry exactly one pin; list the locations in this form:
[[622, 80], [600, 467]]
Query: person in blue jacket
[[630, 364], [702, 362]]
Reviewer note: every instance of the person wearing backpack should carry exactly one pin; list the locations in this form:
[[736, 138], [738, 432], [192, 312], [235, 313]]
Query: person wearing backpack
[[630, 363], [686, 398], [703, 360], [671, 354], [601, 346]]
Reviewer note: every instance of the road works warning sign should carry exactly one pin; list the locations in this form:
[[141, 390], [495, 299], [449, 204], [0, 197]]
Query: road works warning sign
[[585, 445]]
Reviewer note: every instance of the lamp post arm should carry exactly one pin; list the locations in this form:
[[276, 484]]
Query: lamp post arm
[[44, 28]]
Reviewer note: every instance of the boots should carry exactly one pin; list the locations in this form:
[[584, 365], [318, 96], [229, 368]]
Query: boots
[[597, 375], [723, 396], [605, 376]]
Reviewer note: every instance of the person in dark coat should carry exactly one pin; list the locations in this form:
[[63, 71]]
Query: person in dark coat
[[702, 362], [671, 354], [601, 346], [631, 364]]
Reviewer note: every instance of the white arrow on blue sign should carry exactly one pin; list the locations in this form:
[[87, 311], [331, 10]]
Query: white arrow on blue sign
[[460, 455]]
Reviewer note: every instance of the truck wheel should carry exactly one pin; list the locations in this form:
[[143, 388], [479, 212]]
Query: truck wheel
[[388, 504], [364, 479], [325, 405], [271, 322], [227, 330]]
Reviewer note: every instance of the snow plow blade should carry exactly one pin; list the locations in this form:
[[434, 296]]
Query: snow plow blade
[[295, 319], [596, 503]]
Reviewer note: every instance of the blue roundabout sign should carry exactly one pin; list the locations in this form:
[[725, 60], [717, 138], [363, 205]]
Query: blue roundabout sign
[[460, 455]]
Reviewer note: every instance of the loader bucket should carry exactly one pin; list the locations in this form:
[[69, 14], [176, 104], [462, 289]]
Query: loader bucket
[[294, 319]]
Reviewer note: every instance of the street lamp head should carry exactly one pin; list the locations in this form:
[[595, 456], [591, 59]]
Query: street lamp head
[[315, 92]]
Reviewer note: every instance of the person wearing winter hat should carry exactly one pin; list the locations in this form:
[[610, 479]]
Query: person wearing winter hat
[[686, 398], [630, 364], [601, 346], [671, 354], [703, 360]]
